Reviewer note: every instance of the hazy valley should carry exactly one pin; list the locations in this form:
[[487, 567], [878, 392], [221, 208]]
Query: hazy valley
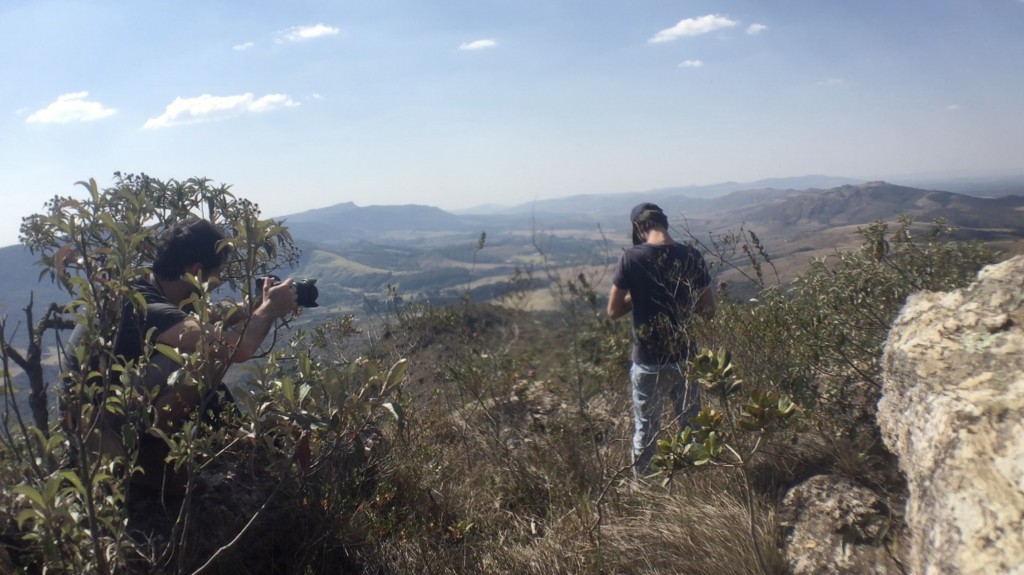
[[431, 255], [428, 254]]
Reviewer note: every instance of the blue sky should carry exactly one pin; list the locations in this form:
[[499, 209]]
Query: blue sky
[[456, 103]]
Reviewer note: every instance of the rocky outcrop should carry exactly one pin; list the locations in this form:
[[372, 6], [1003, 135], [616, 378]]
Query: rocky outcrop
[[952, 409], [832, 525]]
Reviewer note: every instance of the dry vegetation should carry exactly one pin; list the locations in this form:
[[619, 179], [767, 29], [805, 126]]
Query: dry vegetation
[[520, 456], [481, 438]]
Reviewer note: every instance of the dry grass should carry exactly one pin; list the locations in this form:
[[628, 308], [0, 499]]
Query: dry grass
[[698, 529], [514, 483]]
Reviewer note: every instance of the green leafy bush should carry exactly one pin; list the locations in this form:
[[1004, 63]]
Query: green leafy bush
[[820, 339], [299, 431]]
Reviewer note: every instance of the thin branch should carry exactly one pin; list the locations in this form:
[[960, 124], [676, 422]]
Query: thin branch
[[252, 520]]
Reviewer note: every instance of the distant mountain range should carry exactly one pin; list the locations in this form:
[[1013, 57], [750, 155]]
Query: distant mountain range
[[598, 203], [352, 241], [364, 222], [864, 203], [356, 252], [823, 200]]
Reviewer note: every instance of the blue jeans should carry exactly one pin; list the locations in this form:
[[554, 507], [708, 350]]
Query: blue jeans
[[650, 382]]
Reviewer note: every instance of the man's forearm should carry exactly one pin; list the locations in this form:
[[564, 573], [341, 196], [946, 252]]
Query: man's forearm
[[620, 309], [619, 302], [251, 335]]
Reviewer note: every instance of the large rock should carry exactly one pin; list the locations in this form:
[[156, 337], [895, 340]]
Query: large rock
[[832, 525], [952, 409]]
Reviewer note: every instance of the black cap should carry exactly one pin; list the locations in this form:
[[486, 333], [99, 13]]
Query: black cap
[[641, 208], [633, 215]]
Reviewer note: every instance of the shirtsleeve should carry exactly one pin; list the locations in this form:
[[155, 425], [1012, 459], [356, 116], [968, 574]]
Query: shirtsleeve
[[620, 279], [163, 316], [703, 278]]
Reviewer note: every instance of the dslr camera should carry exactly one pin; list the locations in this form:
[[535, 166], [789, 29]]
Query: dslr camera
[[305, 289]]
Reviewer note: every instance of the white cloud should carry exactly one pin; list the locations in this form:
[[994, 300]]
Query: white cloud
[[693, 27], [207, 108], [243, 47], [71, 108], [755, 29], [830, 82], [300, 33], [956, 107], [478, 44], [691, 64]]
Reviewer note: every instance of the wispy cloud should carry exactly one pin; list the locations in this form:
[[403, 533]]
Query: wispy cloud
[[693, 27], [755, 29], [956, 107], [691, 64], [243, 46], [207, 108], [830, 82], [478, 44], [71, 108], [300, 33]]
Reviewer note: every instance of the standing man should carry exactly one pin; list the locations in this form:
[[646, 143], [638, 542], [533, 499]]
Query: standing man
[[663, 283]]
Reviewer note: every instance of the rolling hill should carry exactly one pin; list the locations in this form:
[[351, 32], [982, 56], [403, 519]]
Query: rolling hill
[[361, 249], [880, 200], [356, 252]]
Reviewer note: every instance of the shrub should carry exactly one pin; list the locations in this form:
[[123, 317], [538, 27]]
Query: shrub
[[299, 436], [820, 340]]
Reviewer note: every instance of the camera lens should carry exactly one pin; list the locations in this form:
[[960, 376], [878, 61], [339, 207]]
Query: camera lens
[[307, 293], [305, 290]]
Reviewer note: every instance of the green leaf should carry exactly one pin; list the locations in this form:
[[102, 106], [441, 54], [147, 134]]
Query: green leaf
[[712, 446], [395, 374], [733, 386], [31, 493], [396, 411], [785, 407], [26, 515], [73, 478]]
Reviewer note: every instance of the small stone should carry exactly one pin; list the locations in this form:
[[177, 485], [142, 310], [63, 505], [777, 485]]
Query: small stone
[[995, 323]]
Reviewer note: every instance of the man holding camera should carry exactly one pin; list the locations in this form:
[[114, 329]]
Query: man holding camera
[[196, 248], [663, 283]]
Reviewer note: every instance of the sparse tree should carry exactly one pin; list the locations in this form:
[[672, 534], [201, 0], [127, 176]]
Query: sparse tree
[[31, 361]]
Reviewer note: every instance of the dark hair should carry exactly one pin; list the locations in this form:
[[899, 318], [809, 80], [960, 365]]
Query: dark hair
[[186, 243], [646, 221]]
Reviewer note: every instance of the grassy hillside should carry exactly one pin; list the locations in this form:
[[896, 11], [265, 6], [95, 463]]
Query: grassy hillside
[[479, 438]]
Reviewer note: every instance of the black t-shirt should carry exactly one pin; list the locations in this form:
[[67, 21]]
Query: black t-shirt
[[160, 314], [662, 281]]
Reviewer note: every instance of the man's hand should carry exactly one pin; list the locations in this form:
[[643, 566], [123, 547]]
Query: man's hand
[[279, 299], [619, 302]]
